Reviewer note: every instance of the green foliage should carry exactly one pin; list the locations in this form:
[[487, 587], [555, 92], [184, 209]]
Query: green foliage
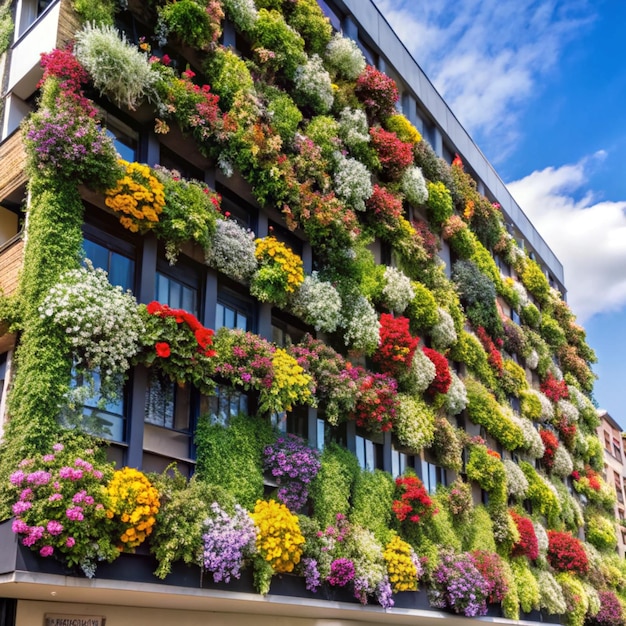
[[191, 22], [324, 131], [6, 26], [228, 75], [226, 454], [415, 422], [439, 205], [401, 126], [535, 281], [439, 529], [530, 315], [286, 115], [552, 332], [543, 499], [513, 378], [600, 532], [331, 490], [486, 469], [95, 11], [271, 32], [447, 447], [309, 20], [486, 264], [575, 597], [526, 583], [570, 509], [422, 310], [470, 351], [373, 497], [479, 531], [530, 406]]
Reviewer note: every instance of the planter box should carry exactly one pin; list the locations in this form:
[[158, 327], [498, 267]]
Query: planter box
[[412, 600]]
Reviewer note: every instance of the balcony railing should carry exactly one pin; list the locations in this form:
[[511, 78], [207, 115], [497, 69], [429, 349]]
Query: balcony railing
[[13, 170]]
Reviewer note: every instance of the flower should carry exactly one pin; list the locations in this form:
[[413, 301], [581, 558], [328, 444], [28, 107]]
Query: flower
[[341, 572], [231, 250], [162, 349], [414, 504], [566, 553], [403, 565], [397, 346]]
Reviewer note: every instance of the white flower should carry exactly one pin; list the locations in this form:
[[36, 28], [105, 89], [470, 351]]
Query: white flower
[[563, 465], [231, 250], [414, 186], [516, 481], [360, 324], [415, 422], [345, 57], [318, 303], [532, 360], [568, 410], [443, 334], [533, 444], [353, 181], [243, 13], [547, 408], [398, 292], [456, 398], [421, 373], [353, 128], [314, 86]]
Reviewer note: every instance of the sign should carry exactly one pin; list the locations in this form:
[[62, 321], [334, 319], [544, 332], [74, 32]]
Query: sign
[[74, 620]]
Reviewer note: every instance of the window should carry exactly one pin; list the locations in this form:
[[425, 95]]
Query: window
[[400, 461], [233, 310], [125, 139], [120, 268], [617, 450], [239, 210], [369, 453], [176, 294], [433, 475], [226, 403], [3, 376]]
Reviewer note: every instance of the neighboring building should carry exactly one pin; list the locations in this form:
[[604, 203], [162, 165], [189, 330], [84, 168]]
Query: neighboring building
[[611, 435], [336, 176]]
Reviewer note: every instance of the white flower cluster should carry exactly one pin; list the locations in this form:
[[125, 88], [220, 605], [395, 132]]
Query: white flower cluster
[[353, 181], [551, 595], [568, 410], [243, 13], [456, 398], [532, 360], [563, 465], [101, 322], [232, 250], [533, 443], [516, 481], [415, 422], [579, 399], [398, 292], [443, 334], [421, 373], [360, 324], [593, 598], [524, 300], [413, 186], [318, 303], [547, 408], [345, 57], [313, 84], [353, 128]]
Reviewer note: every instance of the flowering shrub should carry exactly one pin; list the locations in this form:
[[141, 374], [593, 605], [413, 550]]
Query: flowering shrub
[[490, 566], [279, 540], [563, 464], [294, 465], [403, 565], [443, 379], [397, 290], [133, 503], [420, 374], [280, 271], [516, 482], [60, 507], [551, 594], [360, 324], [611, 612], [178, 344], [101, 325], [242, 12], [138, 197], [415, 422], [197, 24], [344, 57], [383, 210], [413, 186], [527, 545], [439, 205], [460, 502], [485, 467], [313, 85], [551, 443], [397, 347], [377, 92], [458, 585], [341, 572], [317, 303], [228, 541], [600, 532], [414, 504], [494, 355], [231, 250], [376, 401], [540, 493], [566, 553], [394, 157], [443, 333], [353, 182], [291, 384], [554, 389], [456, 399]]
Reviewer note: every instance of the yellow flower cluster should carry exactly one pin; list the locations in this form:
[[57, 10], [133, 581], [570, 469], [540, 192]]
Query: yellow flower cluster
[[138, 197], [400, 566], [279, 539], [133, 504], [271, 251], [291, 383]]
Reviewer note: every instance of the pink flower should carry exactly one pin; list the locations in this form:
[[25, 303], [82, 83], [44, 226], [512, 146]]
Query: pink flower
[[20, 507], [26, 494], [46, 551], [17, 478], [75, 513], [57, 447], [55, 497], [70, 542], [54, 527], [48, 458], [19, 526]]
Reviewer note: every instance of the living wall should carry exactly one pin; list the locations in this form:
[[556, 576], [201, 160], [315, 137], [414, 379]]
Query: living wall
[[316, 134]]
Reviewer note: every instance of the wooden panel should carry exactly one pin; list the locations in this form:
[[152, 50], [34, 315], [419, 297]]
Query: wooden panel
[[68, 24], [10, 265], [13, 170]]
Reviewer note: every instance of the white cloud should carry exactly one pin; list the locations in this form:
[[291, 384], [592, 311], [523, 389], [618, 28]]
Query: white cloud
[[588, 236], [487, 57]]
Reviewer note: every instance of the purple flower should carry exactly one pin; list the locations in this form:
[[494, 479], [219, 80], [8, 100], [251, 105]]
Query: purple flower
[[341, 572], [26, 494], [311, 575], [38, 478], [57, 447], [17, 478], [55, 497], [46, 551], [20, 507]]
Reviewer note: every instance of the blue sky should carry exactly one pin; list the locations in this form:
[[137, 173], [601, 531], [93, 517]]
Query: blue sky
[[541, 87]]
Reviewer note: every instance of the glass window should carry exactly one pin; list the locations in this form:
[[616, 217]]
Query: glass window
[[400, 461], [230, 317], [120, 268], [176, 294], [168, 404], [125, 138], [369, 453], [432, 475], [225, 403]]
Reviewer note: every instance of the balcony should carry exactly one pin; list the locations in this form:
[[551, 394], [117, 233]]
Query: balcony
[[13, 170], [52, 29]]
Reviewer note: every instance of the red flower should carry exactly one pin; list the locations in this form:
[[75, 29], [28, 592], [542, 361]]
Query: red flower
[[162, 349], [554, 389], [394, 155], [154, 308], [494, 356], [551, 443], [527, 545], [396, 347], [443, 378], [566, 553], [377, 92], [414, 502]]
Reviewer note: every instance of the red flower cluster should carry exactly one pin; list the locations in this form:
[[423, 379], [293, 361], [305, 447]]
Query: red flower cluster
[[376, 401], [489, 564], [443, 379], [414, 503], [551, 443], [554, 389], [592, 477], [566, 553], [203, 335], [567, 432], [430, 241], [396, 347], [528, 545], [377, 92], [385, 209], [494, 356], [394, 155]]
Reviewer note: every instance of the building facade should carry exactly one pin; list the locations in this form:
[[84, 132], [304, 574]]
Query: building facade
[[316, 251]]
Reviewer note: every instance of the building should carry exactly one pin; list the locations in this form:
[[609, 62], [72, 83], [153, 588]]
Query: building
[[329, 144], [610, 434]]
